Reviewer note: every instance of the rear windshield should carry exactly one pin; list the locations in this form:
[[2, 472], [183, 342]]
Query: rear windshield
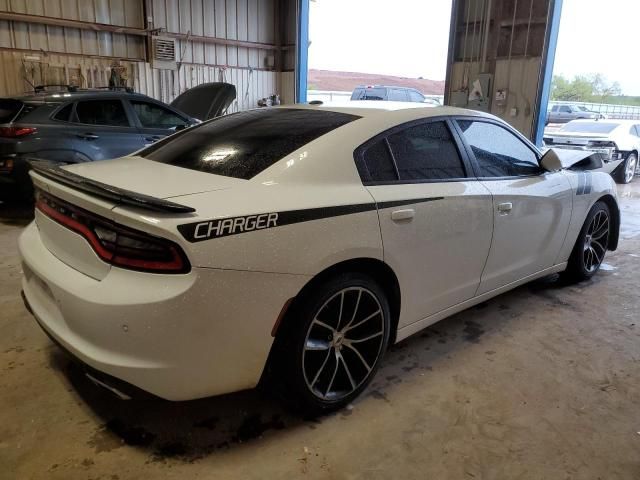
[[589, 127], [368, 94], [246, 143], [9, 108]]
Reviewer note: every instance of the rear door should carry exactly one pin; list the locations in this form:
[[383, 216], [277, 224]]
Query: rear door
[[156, 121], [103, 129], [531, 207], [435, 218]]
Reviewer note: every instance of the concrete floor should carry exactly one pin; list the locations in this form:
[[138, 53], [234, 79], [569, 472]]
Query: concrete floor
[[540, 383]]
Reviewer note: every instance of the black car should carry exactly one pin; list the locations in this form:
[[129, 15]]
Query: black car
[[72, 126]]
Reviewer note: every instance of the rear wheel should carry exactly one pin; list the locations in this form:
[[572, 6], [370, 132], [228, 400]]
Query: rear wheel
[[332, 345], [591, 245], [627, 169]]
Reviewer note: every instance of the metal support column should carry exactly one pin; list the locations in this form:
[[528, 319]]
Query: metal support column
[[302, 51], [548, 58]]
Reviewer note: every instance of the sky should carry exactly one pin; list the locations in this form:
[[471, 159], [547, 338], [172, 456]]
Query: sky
[[411, 37]]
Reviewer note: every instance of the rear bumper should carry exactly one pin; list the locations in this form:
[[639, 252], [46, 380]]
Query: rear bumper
[[120, 388], [178, 337]]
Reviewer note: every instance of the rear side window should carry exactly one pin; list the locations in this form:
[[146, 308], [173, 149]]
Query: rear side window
[[64, 113], [379, 163], [499, 152], [426, 152], [102, 112], [9, 108], [244, 144]]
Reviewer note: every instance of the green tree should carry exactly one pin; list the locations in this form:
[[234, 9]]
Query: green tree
[[585, 88]]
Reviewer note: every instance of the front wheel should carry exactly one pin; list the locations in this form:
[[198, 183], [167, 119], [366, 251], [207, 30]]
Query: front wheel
[[627, 169], [333, 343], [591, 245]]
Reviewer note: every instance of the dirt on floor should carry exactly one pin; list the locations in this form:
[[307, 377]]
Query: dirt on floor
[[539, 383]]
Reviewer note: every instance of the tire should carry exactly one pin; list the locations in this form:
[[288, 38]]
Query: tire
[[591, 245], [333, 317], [627, 169]]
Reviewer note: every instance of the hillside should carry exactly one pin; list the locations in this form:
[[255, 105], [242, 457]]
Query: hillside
[[347, 81]]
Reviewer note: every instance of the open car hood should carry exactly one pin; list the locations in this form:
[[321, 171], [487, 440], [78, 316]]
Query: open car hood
[[206, 101], [578, 159]]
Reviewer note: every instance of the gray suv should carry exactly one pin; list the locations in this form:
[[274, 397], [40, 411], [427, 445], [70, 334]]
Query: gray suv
[[565, 113], [392, 94], [72, 126]]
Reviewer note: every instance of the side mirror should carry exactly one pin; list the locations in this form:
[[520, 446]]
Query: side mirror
[[550, 161]]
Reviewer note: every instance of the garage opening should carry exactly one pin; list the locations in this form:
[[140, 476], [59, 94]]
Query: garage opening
[[363, 50]]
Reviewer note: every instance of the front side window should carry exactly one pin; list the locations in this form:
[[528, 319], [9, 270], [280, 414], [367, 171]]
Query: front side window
[[102, 112], [415, 96], [426, 152], [244, 144], [498, 152], [155, 116]]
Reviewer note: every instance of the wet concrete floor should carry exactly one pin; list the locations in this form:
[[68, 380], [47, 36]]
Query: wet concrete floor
[[540, 383]]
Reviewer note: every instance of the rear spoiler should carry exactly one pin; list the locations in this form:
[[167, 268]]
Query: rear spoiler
[[53, 171]]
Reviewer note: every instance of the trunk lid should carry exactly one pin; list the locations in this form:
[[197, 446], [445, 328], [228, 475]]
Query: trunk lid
[[151, 178], [576, 138]]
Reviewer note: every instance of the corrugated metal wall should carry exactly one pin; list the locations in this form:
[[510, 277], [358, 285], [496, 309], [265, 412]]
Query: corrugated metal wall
[[165, 85], [55, 39], [216, 40]]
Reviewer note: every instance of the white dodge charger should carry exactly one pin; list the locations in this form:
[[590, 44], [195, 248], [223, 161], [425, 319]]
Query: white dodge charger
[[300, 242]]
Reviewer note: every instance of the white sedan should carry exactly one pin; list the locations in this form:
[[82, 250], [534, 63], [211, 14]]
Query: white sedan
[[299, 243], [616, 141]]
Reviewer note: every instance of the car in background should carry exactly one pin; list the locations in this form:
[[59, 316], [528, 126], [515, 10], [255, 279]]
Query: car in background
[[74, 126], [617, 142], [563, 113], [392, 94]]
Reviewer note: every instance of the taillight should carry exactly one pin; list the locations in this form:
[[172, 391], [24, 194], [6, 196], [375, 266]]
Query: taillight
[[6, 165], [14, 132], [120, 246]]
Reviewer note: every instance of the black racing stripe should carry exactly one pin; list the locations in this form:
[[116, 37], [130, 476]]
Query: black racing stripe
[[227, 226], [401, 203], [588, 182], [581, 184]]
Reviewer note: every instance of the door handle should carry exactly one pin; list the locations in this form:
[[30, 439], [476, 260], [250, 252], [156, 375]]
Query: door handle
[[153, 138], [406, 214], [87, 136], [505, 208]]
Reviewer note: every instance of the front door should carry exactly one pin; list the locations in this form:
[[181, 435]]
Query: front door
[[156, 121], [436, 221], [531, 207]]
